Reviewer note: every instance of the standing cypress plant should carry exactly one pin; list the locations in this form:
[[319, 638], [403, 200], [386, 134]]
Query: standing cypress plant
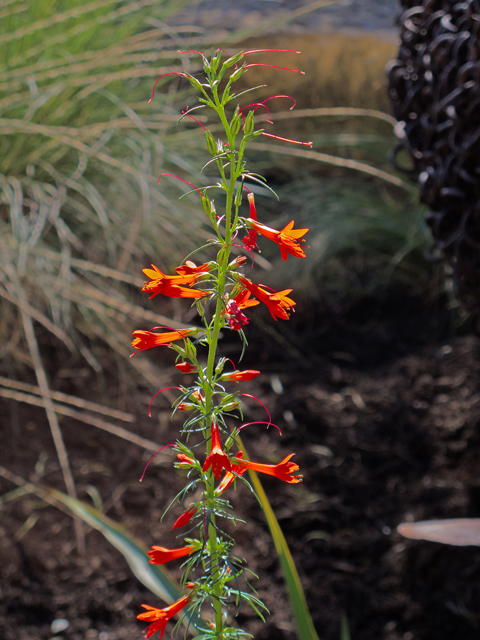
[[214, 576]]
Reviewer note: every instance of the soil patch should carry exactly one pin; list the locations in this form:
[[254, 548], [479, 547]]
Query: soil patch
[[379, 440]]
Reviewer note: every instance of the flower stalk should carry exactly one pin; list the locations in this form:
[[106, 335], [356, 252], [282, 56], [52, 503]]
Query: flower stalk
[[213, 574]]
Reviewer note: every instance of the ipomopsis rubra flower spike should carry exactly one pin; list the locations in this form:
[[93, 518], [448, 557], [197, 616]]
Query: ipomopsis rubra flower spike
[[217, 458]]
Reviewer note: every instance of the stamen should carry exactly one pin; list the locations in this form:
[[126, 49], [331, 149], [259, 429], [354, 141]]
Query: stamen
[[150, 405], [185, 113], [260, 422], [247, 395], [193, 51], [270, 135], [172, 175], [260, 104], [274, 66], [264, 50], [170, 73], [282, 96], [157, 452]]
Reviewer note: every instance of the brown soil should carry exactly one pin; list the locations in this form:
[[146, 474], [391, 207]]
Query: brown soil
[[384, 429]]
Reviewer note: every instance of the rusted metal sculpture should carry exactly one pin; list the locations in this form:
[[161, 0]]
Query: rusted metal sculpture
[[434, 86]]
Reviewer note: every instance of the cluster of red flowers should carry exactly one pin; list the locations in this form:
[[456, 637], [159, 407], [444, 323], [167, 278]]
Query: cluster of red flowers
[[233, 293]]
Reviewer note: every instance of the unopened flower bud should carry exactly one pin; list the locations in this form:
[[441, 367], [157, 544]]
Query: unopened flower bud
[[249, 124], [186, 367], [235, 122], [238, 261], [238, 376], [237, 74], [194, 82], [215, 61], [231, 62], [207, 206], [231, 406], [211, 144]]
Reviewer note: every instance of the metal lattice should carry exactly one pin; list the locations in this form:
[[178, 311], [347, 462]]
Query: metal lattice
[[434, 86]]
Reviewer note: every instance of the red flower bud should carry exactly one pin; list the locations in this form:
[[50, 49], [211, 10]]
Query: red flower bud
[[249, 374], [185, 518], [186, 367]]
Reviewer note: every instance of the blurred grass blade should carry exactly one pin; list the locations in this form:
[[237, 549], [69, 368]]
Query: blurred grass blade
[[336, 161], [460, 532], [303, 620], [345, 629], [154, 577]]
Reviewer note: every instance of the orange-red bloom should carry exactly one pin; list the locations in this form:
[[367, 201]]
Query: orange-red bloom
[[288, 239], [249, 374], [186, 367], [161, 555], [190, 268], [237, 470], [182, 458], [172, 286], [185, 518], [217, 458], [277, 301], [160, 617], [147, 339], [283, 470], [243, 301]]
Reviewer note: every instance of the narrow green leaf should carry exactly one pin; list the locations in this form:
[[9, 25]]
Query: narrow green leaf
[[154, 577], [303, 620], [345, 629]]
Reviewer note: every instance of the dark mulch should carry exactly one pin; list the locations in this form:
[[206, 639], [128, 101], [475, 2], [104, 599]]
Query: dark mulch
[[385, 430]]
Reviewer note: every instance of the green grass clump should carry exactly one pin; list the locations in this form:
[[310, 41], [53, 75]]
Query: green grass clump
[[80, 149]]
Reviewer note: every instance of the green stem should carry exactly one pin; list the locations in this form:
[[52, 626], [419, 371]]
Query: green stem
[[212, 534], [223, 257]]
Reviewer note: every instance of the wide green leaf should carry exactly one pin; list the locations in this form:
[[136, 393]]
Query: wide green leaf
[[154, 577]]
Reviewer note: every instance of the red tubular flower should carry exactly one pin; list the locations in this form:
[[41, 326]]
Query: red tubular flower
[[147, 339], [287, 239], [185, 459], [250, 241], [237, 470], [217, 458], [186, 367], [243, 301], [190, 268], [185, 518], [160, 617], [235, 317], [155, 274], [186, 406], [161, 555], [238, 376], [283, 470], [277, 302], [171, 285]]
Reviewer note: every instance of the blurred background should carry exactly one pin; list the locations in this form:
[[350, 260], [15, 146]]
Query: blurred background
[[373, 381]]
